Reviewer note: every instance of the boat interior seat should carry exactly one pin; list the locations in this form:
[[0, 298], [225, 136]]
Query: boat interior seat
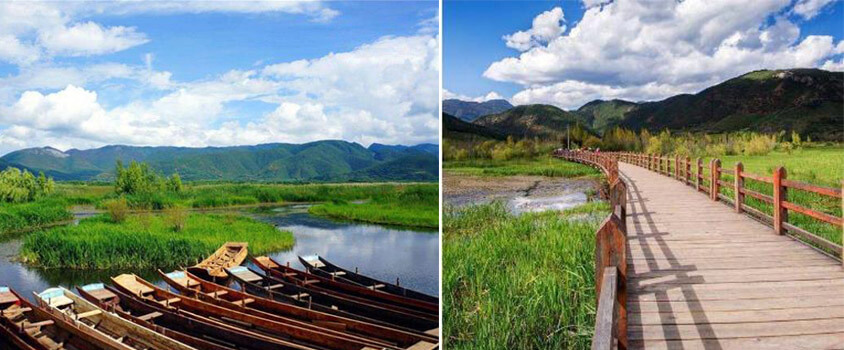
[[60, 301], [7, 297], [338, 273]]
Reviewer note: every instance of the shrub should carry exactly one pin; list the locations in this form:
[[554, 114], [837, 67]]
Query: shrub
[[18, 186], [176, 218], [117, 209]]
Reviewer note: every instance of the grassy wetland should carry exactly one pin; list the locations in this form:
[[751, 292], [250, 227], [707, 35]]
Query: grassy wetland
[[147, 220], [147, 241], [518, 280]]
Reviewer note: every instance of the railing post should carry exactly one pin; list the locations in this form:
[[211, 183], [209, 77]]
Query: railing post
[[842, 210], [659, 164], [780, 213], [716, 178], [688, 170], [739, 185], [677, 167], [699, 175]]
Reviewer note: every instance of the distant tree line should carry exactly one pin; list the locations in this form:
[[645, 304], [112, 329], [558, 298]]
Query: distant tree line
[[18, 186], [621, 139]]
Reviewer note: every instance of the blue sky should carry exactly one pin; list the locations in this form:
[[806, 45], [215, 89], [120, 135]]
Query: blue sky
[[636, 50], [80, 75]]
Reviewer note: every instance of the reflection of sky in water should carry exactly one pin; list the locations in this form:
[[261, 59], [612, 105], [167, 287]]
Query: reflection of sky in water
[[381, 252], [521, 205]]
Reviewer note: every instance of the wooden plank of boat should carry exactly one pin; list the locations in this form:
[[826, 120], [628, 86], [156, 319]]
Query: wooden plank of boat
[[200, 326], [230, 254], [234, 300], [372, 294], [155, 319], [85, 312], [298, 278], [30, 326], [221, 295], [322, 267], [283, 291], [295, 335]]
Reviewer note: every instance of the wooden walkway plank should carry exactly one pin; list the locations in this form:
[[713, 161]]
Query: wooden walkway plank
[[701, 276]]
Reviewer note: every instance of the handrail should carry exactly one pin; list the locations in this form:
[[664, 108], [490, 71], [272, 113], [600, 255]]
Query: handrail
[[610, 254], [779, 200]]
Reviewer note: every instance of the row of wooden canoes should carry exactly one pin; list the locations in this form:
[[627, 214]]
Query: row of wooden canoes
[[277, 308]]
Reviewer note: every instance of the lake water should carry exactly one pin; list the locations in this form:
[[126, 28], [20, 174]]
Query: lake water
[[378, 251]]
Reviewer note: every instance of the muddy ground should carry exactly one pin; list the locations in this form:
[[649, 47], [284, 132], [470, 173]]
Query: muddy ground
[[521, 193]]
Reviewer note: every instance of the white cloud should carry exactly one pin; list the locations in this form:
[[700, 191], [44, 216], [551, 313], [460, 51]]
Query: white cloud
[[33, 31], [547, 26], [810, 8], [89, 38], [492, 95], [14, 51], [383, 92], [653, 49]]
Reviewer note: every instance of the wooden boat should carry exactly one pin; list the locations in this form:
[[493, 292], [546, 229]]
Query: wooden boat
[[375, 335], [131, 334], [194, 324], [289, 335], [159, 319], [231, 254], [313, 281], [317, 265], [283, 291], [29, 327]]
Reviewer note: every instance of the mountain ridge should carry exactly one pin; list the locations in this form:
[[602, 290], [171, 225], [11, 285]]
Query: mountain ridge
[[327, 160], [807, 100]]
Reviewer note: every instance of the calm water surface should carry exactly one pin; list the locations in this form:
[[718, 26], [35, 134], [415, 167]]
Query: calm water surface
[[381, 252]]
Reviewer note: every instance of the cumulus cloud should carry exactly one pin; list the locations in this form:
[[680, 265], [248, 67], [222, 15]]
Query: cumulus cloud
[[492, 95], [548, 25], [385, 91], [652, 49]]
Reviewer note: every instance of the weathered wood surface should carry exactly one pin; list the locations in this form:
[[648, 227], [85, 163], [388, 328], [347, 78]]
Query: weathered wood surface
[[702, 276]]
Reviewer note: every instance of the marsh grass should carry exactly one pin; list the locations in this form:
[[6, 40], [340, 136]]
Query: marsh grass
[[519, 282], [410, 205], [151, 242], [540, 166], [25, 216]]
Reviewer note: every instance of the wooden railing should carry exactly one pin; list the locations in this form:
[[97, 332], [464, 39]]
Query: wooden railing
[[680, 168], [610, 255]]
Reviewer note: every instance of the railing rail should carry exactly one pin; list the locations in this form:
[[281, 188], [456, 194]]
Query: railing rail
[[610, 254], [778, 200]]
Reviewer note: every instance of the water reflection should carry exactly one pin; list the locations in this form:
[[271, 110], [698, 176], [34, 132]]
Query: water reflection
[[381, 252]]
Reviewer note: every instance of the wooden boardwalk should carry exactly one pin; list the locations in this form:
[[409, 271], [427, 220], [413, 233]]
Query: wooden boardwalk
[[701, 276]]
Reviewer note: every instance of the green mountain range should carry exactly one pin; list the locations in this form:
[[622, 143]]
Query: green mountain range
[[315, 161], [809, 101], [470, 110], [543, 121]]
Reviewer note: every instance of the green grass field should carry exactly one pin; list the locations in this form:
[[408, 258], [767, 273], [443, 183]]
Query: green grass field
[[381, 207], [541, 166], [147, 241], [519, 282], [411, 205]]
